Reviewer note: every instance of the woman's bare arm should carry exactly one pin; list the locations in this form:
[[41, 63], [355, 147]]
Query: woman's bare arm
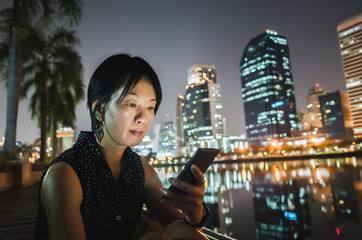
[[61, 196], [165, 214]]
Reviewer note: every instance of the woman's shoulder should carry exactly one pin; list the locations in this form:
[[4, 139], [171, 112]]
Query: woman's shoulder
[[146, 165], [75, 157], [60, 172], [151, 177], [60, 185]]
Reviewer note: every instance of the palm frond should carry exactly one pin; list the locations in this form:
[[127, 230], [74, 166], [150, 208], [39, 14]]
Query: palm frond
[[48, 12], [72, 9]]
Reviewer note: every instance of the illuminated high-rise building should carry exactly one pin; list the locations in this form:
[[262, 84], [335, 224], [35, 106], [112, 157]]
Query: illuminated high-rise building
[[267, 87], [180, 134], [350, 43], [167, 140], [201, 73], [336, 115], [313, 105], [65, 139], [313, 118], [203, 122]]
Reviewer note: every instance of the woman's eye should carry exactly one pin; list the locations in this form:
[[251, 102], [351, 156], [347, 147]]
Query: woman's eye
[[150, 108], [132, 105]]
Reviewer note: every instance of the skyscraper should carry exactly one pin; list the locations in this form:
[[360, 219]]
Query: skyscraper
[[203, 122], [267, 87], [313, 101], [65, 139], [167, 140], [350, 43], [180, 134], [313, 118], [336, 115]]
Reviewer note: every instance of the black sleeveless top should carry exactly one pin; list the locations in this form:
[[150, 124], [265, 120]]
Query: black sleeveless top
[[110, 208]]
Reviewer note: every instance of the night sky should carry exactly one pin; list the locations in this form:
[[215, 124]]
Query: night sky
[[173, 35]]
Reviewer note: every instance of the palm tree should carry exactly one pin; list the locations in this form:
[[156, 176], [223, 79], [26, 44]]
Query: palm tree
[[54, 70], [63, 112], [14, 21], [70, 89]]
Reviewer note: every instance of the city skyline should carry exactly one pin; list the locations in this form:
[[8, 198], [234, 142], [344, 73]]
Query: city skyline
[[174, 36]]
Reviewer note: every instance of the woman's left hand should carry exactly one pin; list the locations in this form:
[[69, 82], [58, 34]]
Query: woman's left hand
[[190, 203]]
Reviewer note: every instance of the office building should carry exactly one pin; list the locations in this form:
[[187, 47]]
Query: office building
[[350, 43], [313, 118], [144, 148], [65, 139], [167, 140], [267, 87], [180, 134], [203, 122], [336, 115], [156, 131]]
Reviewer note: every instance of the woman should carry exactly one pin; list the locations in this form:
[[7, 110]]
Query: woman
[[96, 189]]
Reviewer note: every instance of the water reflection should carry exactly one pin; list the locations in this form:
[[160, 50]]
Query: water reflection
[[313, 199]]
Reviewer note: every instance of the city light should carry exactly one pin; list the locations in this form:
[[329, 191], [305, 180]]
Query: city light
[[277, 174], [318, 174]]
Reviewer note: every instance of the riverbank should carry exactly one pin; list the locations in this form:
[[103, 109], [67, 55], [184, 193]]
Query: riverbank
[[229, 159], [294, 157]]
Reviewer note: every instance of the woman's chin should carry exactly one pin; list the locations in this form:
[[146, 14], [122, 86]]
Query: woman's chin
[[135, 143]]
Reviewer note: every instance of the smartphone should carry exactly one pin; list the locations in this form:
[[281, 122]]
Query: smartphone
[[202, 158]]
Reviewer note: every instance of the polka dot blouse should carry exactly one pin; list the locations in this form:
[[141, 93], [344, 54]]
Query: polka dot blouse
[[110, 208]]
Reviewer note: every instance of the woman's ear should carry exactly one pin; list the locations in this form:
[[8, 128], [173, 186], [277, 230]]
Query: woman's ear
[[96, 110], [94, 104]]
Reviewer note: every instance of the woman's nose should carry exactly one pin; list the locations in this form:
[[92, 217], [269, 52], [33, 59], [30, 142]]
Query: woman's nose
[[140, 116]]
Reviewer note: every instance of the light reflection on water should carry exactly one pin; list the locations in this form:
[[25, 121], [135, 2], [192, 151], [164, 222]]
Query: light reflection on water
[[309, 199]]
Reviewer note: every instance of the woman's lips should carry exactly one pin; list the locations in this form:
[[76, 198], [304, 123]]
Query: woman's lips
[[136, 133]]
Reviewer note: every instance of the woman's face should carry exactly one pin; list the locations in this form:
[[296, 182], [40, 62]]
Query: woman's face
[[128, 122]]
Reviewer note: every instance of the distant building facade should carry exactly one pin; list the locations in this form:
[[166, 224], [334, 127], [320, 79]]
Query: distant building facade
[[313, 118], [65, 139], [167, 139], [268, 88], [180, 134], [156, 137], [350, 42], [145, 147], [336, 115], [203, 121]]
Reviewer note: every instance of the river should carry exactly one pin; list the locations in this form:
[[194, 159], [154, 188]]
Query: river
[[302, 199]]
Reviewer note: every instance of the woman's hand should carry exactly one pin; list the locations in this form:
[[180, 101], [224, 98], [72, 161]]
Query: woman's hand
[[190, 203]]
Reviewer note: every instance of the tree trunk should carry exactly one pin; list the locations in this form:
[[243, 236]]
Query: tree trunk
[[13, 89], [54, 140], [43, 116]]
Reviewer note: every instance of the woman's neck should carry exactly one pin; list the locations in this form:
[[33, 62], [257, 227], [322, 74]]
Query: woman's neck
[[111, 151], [113, 155]]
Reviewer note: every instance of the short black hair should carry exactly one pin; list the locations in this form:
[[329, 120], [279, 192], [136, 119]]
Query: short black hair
[[120, 70]]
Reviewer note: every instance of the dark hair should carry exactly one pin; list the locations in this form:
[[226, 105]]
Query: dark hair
[[118, 71]]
